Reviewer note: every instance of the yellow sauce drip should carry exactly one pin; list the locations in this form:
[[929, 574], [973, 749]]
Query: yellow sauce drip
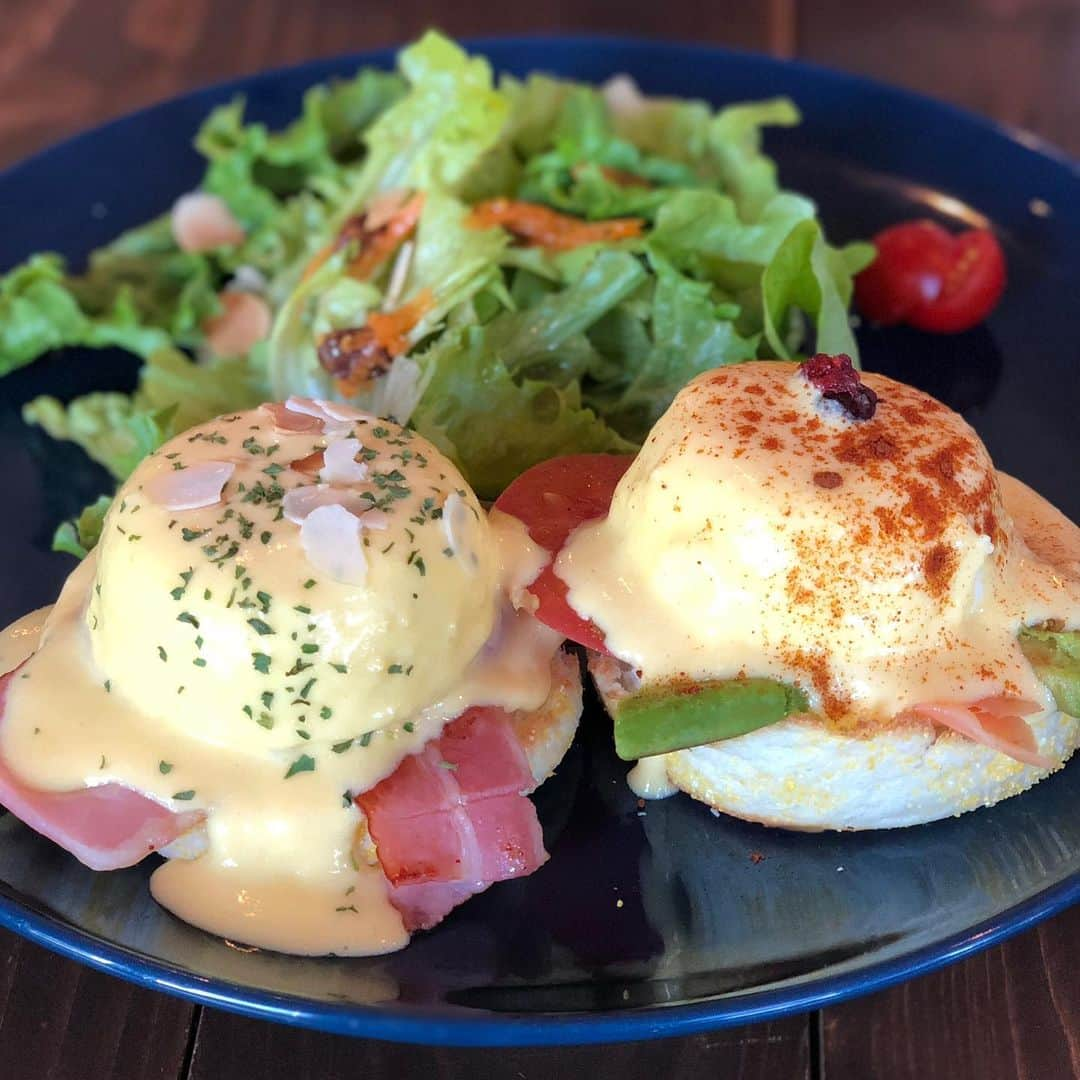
[[113, 693]]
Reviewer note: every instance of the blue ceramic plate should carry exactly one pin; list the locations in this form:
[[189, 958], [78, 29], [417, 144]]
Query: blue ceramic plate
[[643, 923]]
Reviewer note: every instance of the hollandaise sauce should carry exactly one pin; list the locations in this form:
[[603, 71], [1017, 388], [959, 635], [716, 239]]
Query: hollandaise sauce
[[283, 605]]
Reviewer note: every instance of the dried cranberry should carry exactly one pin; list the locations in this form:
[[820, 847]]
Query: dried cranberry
[[354, 231], [353, 354], [837, 379]]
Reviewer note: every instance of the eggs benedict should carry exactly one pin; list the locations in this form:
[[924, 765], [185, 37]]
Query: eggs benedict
[[294, 666], [811, 601]]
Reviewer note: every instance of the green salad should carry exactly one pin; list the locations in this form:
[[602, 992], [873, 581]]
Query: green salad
[[518, 269]]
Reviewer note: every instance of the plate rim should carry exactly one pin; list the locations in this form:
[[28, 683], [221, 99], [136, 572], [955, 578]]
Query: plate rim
[[383, 56], [460, 1026]]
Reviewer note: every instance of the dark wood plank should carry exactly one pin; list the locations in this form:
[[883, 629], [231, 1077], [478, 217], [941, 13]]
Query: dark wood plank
[[65, 66], [1011, 1012], [59, 1020], [1014, 60], [227, 1047]]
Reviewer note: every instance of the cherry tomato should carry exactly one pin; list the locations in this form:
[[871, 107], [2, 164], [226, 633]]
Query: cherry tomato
[[552, 499], [930, 279]]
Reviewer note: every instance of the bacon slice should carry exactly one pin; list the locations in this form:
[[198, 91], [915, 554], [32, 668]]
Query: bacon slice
[[997, 722], [106, 827], [425, 906], [454, 819]]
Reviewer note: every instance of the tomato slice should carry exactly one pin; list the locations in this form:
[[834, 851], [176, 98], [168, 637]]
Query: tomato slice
[[930, 279], [552, 499]]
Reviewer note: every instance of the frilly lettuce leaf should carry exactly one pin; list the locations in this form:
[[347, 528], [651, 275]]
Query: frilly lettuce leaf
[[507, 394], [39, 311], [803, 276], [434, 136], [495, 426], [450, 262], [79, 536], [109, 426], [166, 287], [175, 393], [574, 175], [278, 184], [682, 332], [701, 233], [723, 148]]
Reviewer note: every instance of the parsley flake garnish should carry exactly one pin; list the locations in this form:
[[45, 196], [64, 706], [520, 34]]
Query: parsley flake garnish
[[185, 796], [261, 662], [164, 767], [304, 763], [260, 627]]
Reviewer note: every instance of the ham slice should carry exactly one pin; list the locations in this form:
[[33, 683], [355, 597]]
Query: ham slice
[[454, 819], [106, 827], [997, 722]]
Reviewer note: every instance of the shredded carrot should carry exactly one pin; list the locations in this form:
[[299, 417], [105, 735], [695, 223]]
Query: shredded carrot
[[540, 226], [380, 244], [391, 332], [392, 327], [375, 245]]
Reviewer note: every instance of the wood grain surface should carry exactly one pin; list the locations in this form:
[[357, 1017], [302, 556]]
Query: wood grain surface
[[226, 1047], [62, 1021], [1013, 1011]]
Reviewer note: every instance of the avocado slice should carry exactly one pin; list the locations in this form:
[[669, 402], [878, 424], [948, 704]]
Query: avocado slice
[[1055, 656], [674, 716]]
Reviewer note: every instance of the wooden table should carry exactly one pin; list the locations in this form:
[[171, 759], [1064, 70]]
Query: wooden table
[[1013, 1011]]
